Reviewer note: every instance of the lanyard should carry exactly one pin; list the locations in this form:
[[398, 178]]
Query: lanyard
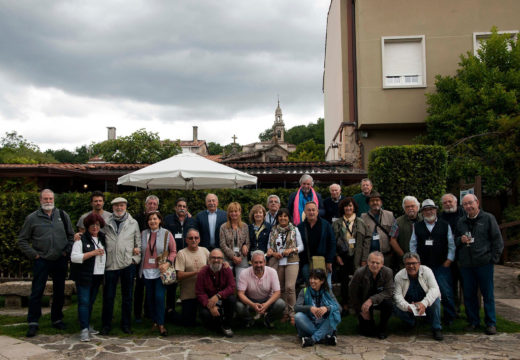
[[152, 249]]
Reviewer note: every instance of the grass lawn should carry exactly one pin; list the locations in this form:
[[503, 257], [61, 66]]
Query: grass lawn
[[16, 326]]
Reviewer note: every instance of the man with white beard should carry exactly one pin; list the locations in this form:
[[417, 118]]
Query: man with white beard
[[433, 240], [123, 244], [46, 237], [215, 289]]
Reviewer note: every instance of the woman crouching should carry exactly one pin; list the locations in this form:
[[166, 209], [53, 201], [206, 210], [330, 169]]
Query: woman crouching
[[317, 312]]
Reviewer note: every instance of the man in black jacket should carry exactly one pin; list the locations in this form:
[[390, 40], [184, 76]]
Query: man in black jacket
[[372, 288], [46, 238], [478, 248]]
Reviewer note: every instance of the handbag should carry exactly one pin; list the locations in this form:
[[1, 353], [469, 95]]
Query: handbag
[[169, 276], [318, 262]]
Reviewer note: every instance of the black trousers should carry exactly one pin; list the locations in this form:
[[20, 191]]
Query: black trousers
[[368, 327], [226, 309]]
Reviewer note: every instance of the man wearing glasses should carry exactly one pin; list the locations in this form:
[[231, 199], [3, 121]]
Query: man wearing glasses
[[188, 263], [479, 246], [417, 294], [215, 290]]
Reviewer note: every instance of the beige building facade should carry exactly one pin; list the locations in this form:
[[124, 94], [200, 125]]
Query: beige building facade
[[381, 58]]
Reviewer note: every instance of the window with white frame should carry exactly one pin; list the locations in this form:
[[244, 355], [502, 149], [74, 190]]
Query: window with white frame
[[478, 37], [404, 61]]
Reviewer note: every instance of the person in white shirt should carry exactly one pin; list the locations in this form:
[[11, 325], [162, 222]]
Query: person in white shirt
[[88, 267]]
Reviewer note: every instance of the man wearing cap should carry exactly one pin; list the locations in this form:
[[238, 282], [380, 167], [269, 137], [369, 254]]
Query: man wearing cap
[[479, 249], [380, 223], [363, 197], [401, 232], [123, 241], [432, 239]]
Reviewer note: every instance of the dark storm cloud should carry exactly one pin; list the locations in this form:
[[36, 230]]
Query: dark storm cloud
[[205, 58]]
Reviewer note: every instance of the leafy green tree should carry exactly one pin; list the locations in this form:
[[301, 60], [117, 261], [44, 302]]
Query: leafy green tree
[[308, 151], [475, 114], [79, 156], [15, 149], [267, 135], [140, 147], [214, 148]]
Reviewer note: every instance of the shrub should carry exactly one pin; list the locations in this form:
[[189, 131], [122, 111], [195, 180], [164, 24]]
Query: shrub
[[418, 170]]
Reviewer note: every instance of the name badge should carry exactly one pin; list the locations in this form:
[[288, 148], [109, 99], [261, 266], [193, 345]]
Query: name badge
[[375, 237], [236, 249], [178, 236], [334, 219], [88, 245], [351, 241], [151, 261], [428, 242]]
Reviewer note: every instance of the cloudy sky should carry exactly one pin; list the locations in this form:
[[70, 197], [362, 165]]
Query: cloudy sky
[[69, 69]]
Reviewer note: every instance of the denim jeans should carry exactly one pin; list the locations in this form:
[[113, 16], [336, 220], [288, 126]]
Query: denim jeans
[[433, 315], [474, 278], [155, 291], [86, 297], [445, 281], [109, 294], [307, 327], [42, 268], [306, 271]]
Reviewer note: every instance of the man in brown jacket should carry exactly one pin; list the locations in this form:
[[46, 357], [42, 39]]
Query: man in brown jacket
[[371, 288]]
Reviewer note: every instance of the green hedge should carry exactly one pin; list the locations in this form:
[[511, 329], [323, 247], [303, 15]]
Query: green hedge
[[15, 206], [418, 170]]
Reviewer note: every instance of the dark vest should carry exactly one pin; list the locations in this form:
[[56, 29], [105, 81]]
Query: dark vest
[[435, 255], [82, 273], [405, 231]]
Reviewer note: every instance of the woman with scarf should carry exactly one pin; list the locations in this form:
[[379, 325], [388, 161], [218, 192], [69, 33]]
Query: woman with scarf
[[317, 312], [302, 196], [352, 245], [154, 241], [259, 229], [234, 239], [87, 269], [285, 242]]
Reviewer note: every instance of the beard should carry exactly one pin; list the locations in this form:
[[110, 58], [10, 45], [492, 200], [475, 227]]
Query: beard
[[430, 219], [48, 207], [451, 210], [215, 267]]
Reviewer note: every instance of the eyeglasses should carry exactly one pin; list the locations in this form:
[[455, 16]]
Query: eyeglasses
[[411, 263], [216, 258], [192, 238], [468, 202]]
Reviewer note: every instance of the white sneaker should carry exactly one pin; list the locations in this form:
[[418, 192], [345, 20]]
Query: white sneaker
[[83, 335], [92, 331]]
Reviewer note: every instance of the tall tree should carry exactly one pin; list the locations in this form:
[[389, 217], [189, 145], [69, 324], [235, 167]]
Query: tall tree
[[300, 133], [15, 149], [476, 113], [308, 151], [137, 148], [214, 148]]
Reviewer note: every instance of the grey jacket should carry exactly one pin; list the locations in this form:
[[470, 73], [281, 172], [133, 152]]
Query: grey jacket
[[120, 247], [488, 244], [426, 280], [362, 235], [46, 236]]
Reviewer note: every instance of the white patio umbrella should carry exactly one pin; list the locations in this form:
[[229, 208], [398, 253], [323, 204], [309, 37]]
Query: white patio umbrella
[[187, 171]]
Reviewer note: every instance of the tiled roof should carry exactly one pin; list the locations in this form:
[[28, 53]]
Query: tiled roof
[[192, 143]]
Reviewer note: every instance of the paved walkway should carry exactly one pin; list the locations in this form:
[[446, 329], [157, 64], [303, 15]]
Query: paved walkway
[[467, 346]]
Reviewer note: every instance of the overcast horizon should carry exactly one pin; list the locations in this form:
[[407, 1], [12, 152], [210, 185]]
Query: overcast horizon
[[70, 69]]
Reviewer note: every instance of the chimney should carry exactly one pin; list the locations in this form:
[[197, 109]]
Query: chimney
[[111, 133], [195, 130]]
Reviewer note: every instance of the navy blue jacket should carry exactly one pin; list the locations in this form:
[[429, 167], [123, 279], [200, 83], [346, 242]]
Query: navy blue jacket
[[326, 246], [172, 223], [202, 224], [331, 208]]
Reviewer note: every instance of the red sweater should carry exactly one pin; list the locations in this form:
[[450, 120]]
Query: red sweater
[[210, 283]]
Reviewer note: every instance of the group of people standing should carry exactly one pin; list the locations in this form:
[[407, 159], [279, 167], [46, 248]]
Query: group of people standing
[[229, 269]]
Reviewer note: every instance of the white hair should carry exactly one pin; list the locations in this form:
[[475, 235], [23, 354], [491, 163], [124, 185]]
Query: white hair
[[411, 198], [334, 185], [306, 177], [450, 194], [151, 197], [46, 191], [273, 196]]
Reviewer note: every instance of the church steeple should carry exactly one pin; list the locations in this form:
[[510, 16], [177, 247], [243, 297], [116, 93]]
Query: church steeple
[[278, 126]]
